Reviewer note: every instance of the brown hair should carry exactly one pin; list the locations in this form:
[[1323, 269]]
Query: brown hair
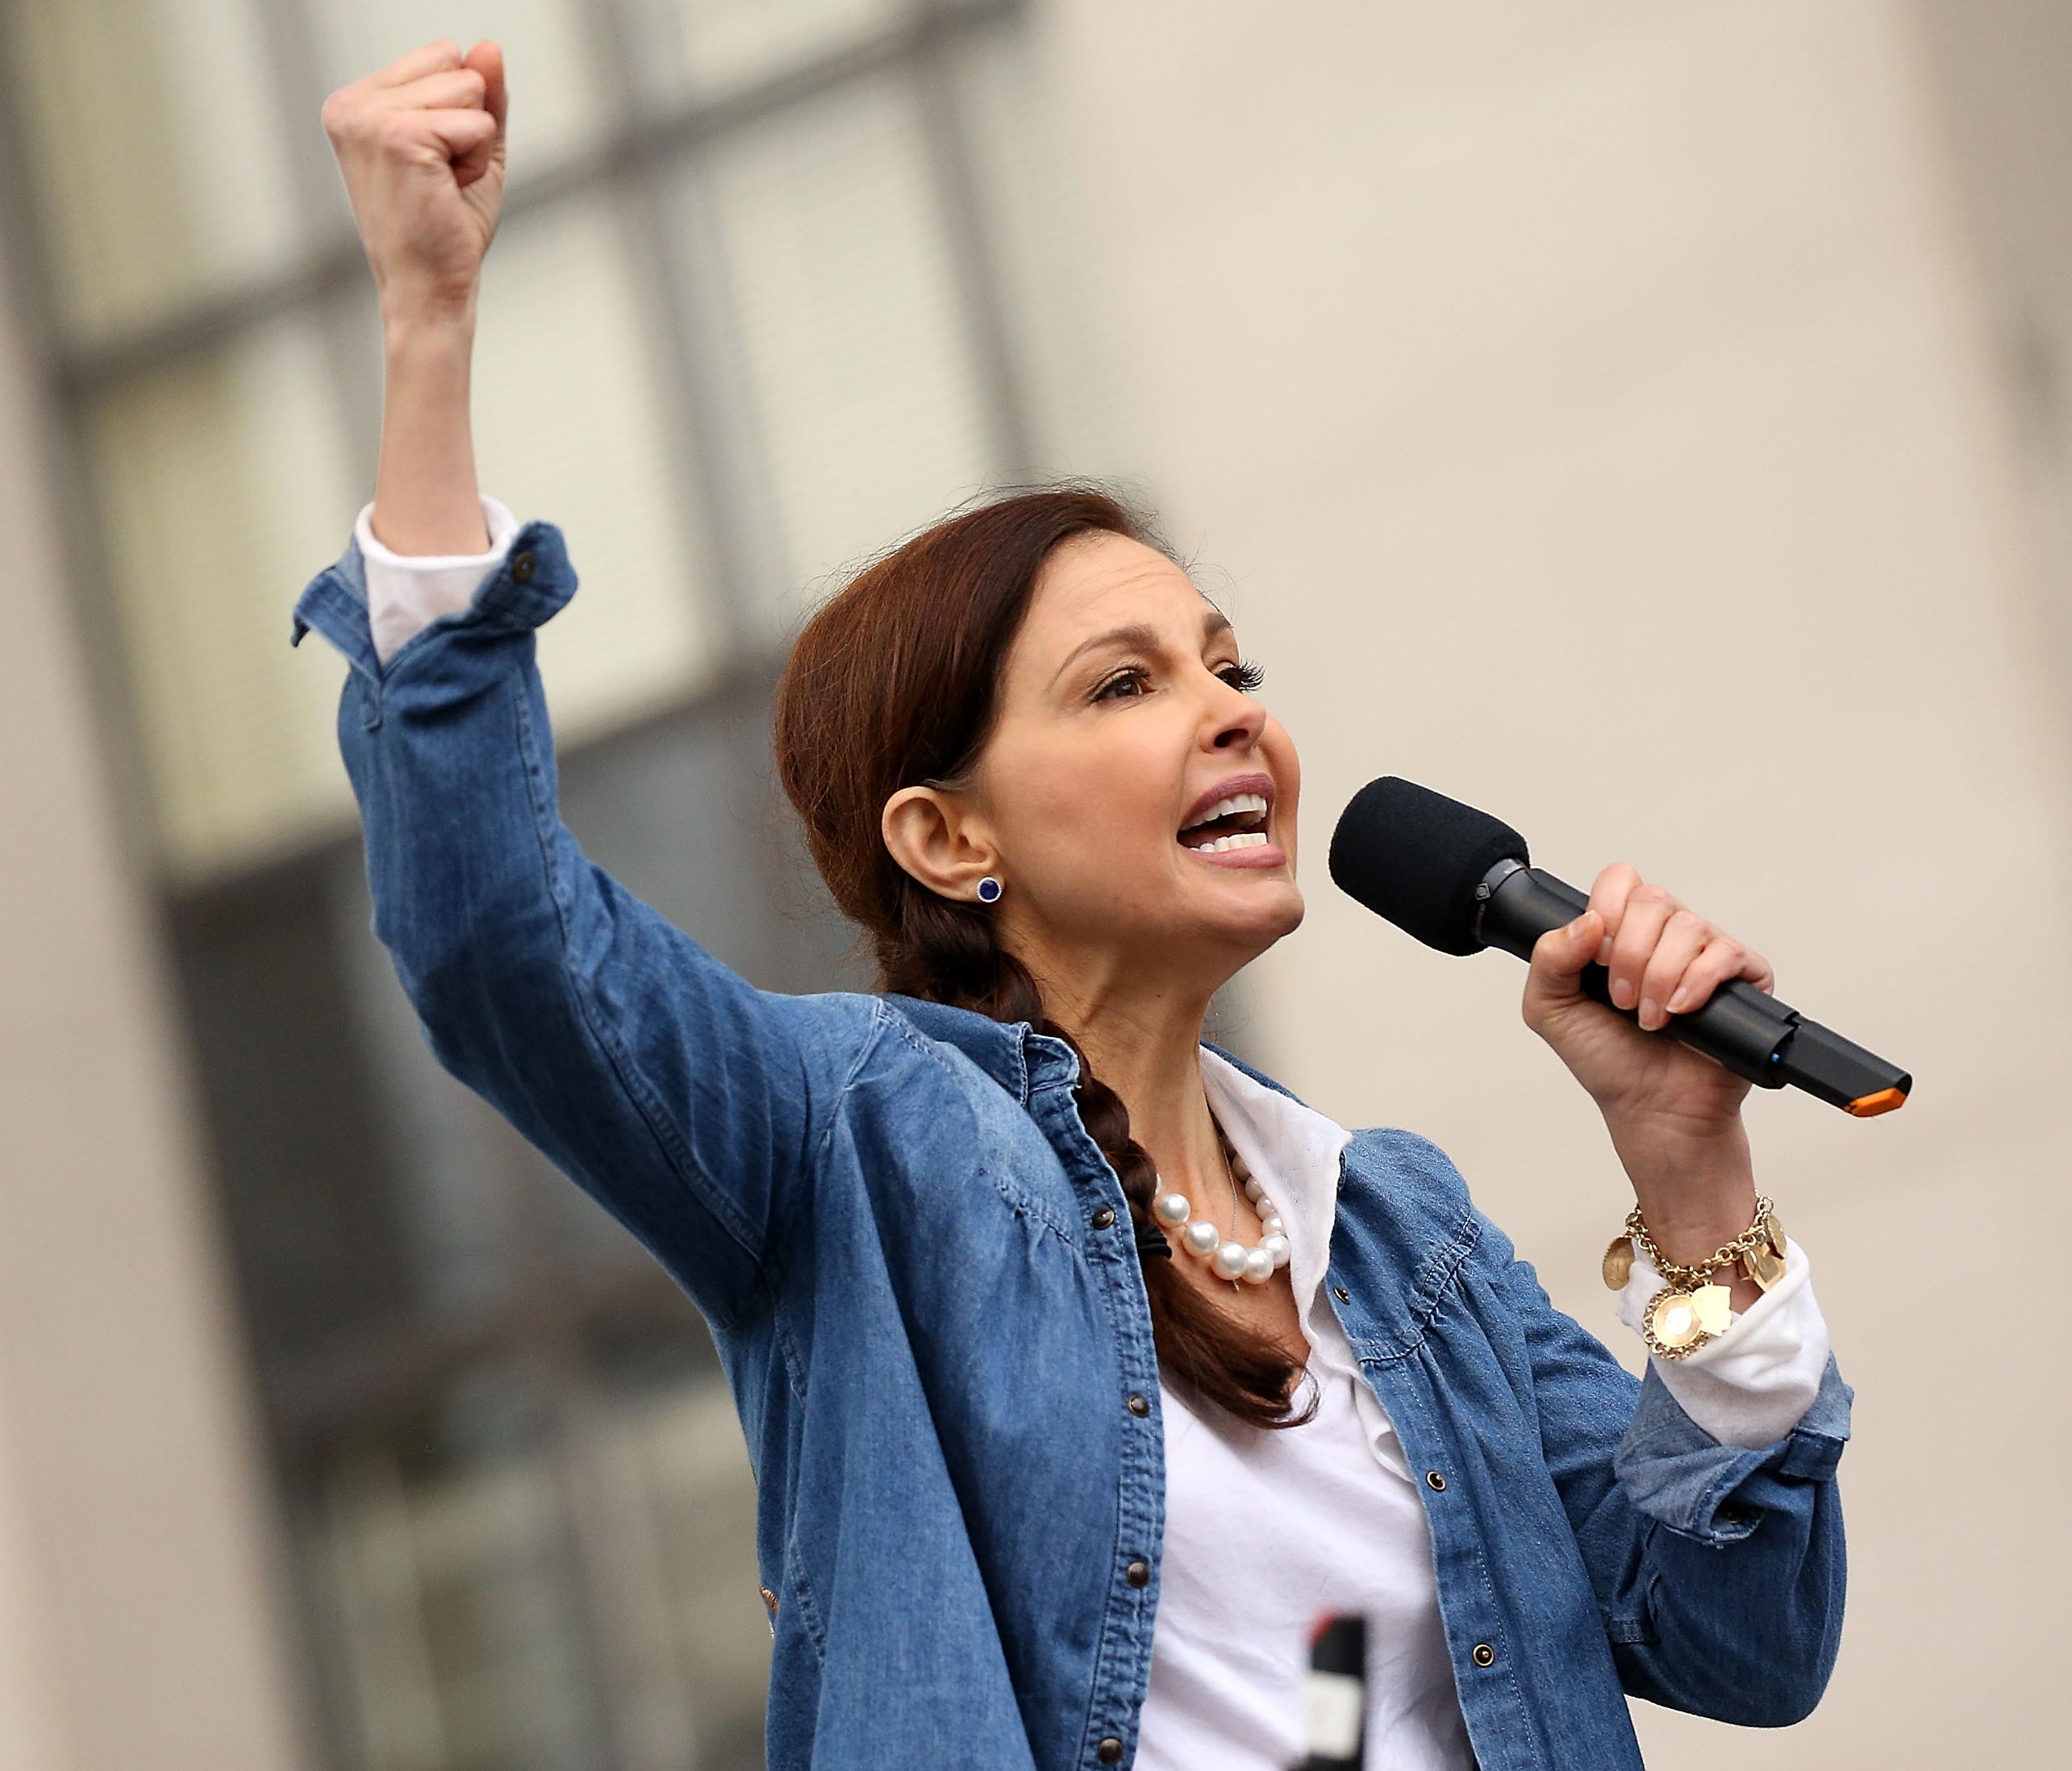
[[894, 682]]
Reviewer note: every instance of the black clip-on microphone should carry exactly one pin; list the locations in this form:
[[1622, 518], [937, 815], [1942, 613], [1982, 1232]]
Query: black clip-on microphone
[[1461, 880], [1335, 1695]]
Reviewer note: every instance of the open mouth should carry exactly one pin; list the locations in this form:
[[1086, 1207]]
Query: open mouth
[[1237, 821]]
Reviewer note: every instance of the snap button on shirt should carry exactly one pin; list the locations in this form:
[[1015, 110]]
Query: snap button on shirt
[[1484, 1654], [1110, 1751], [523, 565]]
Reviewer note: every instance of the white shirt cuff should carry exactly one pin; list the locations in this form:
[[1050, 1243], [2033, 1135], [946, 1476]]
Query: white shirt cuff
[[406, 593], [1749, 1383]]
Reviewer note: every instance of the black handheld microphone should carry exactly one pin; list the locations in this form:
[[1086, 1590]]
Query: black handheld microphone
[[1460, 880]]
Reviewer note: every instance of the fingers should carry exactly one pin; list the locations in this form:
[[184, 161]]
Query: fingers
[[439, 75], [455, 88], [1608, 897], [1638, 931], [1723, 958], [451, 83], [1684, 937], [463, 135], [1664, 959], [432, 58], [456, 92], [369, 114]]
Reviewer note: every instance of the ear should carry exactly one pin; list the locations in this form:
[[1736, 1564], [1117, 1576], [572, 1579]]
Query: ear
[[937, 839]]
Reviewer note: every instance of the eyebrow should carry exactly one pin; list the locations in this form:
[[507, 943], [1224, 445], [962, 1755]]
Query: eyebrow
[[1138, 637]]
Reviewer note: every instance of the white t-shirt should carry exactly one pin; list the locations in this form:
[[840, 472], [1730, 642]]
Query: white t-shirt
[[1266, 1531]]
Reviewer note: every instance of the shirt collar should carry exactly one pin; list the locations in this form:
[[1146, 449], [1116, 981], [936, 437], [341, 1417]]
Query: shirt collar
[[1011, 1052], [1294, 1150]]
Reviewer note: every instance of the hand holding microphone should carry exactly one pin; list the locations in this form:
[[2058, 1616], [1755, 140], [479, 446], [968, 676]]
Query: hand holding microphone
[[1460, 880], [1659, 958], [1670, 1083]]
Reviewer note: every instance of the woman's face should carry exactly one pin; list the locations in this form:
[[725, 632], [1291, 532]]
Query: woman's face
[[1140, 801]]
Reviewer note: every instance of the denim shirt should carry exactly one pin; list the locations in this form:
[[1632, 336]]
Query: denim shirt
[[920, 1273]]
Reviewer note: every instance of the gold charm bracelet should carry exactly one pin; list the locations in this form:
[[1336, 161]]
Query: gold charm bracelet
[[1690, 1309]]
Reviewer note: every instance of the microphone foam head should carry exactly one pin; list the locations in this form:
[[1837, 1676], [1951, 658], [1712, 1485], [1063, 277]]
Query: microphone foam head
[[1415, 857]]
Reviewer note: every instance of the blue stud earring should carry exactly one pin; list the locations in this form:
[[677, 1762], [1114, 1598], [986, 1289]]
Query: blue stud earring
[[989, 890]]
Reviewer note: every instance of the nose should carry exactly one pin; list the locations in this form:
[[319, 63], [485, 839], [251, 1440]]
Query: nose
[[1239, 720]]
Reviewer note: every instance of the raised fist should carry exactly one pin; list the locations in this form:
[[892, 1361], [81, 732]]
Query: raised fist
[[421, 144]]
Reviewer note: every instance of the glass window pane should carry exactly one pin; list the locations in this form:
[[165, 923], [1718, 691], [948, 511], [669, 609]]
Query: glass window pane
[[571, 425], [435, 1556], [153, 128], [306, 1190], [702, 48], [1029, 190], [844, 312], [549, 56], [675, 1472], [225, 484]]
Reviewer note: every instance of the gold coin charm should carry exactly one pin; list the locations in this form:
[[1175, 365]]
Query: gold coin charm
[[1671, 1327], [1715, 1307], [1762, 1266], [1774, 1228], [1618, 1263]]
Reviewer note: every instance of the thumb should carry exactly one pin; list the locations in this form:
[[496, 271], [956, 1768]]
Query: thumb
[[486, 59], [1558, 959]]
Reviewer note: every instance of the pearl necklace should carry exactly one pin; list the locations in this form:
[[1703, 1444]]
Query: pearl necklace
[[1232, 1259]]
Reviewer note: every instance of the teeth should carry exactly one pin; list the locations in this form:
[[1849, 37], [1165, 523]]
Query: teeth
[[1250, 839], [1237, 802]]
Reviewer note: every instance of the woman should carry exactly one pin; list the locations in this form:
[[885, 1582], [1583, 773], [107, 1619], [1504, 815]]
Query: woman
[[1080, 1366]]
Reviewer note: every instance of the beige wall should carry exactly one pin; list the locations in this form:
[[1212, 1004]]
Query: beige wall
[[1589, 405], [137, 1625]]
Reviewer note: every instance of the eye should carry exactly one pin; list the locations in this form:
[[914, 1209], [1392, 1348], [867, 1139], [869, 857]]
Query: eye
[[1126, 684], [1245, 678]]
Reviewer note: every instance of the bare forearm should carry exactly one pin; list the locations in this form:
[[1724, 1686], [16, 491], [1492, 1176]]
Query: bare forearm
[[1696, 1193], [420, 144], [426, 498]]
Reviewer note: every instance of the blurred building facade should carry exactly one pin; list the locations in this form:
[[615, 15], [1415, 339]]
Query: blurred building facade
[[1577, 410], [775, 283]]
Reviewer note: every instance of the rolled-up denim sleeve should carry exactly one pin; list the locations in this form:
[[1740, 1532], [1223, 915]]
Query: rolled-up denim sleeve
[[683, 1099], [1720, 1569]]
